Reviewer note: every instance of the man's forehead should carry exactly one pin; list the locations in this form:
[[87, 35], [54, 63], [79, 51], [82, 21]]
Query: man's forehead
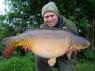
[[49, 13]]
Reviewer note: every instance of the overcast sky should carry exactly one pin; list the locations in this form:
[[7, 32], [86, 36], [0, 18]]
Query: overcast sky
[[2, 7]]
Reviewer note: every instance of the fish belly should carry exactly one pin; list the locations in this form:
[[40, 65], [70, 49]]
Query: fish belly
[[50, 48]]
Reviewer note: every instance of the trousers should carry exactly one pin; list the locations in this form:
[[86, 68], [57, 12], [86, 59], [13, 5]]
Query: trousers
[[62, 64]]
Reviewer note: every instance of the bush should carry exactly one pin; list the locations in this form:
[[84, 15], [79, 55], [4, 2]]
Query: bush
[[89, 54], [85, 65]]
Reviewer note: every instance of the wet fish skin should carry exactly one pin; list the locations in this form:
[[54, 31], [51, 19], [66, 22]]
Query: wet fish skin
[[45, 43]]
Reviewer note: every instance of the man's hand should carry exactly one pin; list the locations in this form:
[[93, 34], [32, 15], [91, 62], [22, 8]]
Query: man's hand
[[52, 62], [25, 48], [71, 51]]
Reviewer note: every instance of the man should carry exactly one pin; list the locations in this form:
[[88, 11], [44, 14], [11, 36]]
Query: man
[[53, 18]]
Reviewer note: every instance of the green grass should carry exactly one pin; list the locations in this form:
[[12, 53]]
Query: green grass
[[17, 63], [27, 63]]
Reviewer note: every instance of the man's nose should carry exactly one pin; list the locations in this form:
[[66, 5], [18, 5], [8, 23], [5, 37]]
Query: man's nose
[[50, 18]]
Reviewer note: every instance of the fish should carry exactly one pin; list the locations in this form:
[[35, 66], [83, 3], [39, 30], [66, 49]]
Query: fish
[[45, 43]]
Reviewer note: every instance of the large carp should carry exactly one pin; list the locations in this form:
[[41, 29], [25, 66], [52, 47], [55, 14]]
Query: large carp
[[45, 43]]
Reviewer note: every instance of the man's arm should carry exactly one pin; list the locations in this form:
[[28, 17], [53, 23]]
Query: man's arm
[[70, 25]]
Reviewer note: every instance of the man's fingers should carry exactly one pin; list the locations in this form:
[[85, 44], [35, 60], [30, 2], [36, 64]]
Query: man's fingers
[[52, 62], [25, 48]]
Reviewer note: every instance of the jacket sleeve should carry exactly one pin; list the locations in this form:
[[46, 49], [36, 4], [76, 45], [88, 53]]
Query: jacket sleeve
[[42, 25], [70, 25]]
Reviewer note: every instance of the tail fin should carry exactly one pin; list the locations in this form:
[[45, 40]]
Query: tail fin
[[9, 46], [8, 52], [7, 41]]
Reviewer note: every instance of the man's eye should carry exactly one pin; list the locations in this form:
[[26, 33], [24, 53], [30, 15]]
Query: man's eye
[[52, 15], [46, 17]]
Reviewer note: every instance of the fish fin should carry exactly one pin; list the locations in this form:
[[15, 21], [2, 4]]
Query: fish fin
[[7, 53]]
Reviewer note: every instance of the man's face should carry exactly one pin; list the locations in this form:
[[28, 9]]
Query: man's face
[[50, 19]]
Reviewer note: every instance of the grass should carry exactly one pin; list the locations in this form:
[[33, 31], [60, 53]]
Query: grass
[[17, 63], [27, 63]]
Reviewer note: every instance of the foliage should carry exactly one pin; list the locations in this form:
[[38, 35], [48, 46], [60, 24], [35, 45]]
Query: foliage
[[23, 15], [5, 28], [85, 65], [89, 54]]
